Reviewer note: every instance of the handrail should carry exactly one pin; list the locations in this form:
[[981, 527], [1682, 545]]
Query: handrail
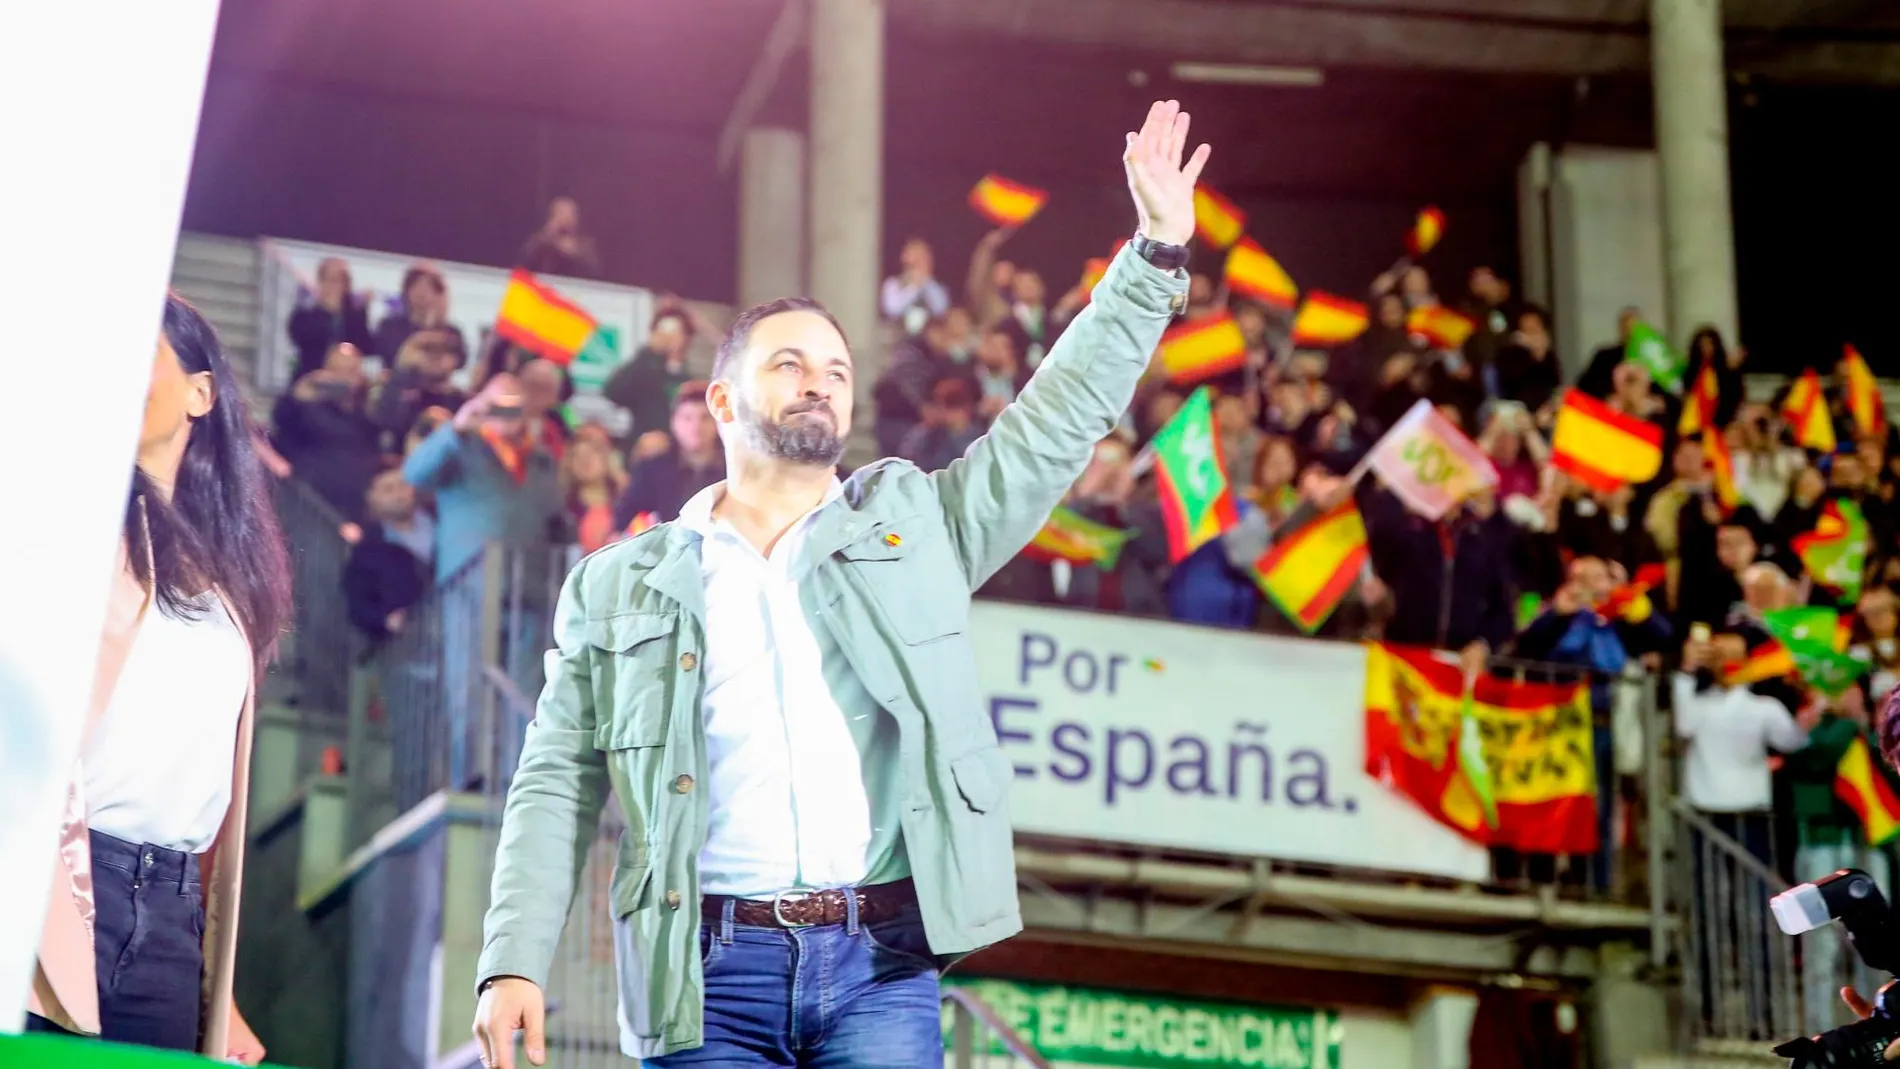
[[967, 1003], [1726, 843]]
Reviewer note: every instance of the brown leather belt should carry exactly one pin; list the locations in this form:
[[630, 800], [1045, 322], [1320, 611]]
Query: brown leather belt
[[809, 909]]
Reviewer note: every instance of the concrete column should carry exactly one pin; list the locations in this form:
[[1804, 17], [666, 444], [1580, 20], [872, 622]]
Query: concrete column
[[846, 185], [771, 215], [1441, 1028], [1692, 144]]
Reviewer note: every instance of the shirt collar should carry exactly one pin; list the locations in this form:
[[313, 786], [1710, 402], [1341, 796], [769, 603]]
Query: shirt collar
[[696, 515]]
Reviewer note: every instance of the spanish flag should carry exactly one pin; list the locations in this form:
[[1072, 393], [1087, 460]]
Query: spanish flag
[[1425, 232], [1217, 220], [1253, 273], [1865, 787], [1722, 470], [641, 521], [1631, 602], [1203, 348], [1441, 327], [1004, 202], [1698, 409], [1601, 447], [1076, 539], [1805, 409], [1307, 571], [1441, 742], [1094, 269], [1325, 320], [542, 321], [1869, 409], [1769, 660]]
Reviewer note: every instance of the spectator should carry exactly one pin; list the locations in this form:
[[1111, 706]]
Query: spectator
[[389, 566], [960, 335], [646, 384], [1573, 632], [424, 306], [327, 318], [1240, 438], [1488, 306], [592, 481], [495, 474], [903, 390], [1450, 579], [1597, 379], [999, 371], [1105, 494], [1706, 350], [1598, 523], [913, 297], [689, 461], [1029, 324], [1399, 385], [1730, 731], [990, 279], [1763, 466], [323, 432], [1807, 493], [1516, 450], [948, 428], [1877, 637], [1528, 370], [561, 247], [420, 380], [1716, 549], [1688, 486]]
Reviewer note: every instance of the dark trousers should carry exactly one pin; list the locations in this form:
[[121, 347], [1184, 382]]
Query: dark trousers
[[148, 944]]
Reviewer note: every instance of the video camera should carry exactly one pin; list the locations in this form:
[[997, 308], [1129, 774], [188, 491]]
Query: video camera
[[1851, 897]]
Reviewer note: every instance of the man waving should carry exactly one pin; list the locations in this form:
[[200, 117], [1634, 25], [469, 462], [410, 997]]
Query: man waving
[[779, 690]]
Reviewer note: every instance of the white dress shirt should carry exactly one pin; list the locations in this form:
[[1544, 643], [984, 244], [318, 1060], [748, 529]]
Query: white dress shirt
[[1730, 732], [158, 764], [790, 808]]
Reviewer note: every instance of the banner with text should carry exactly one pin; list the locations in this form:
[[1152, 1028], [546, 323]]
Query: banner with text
[[1192, 738], [1085, 1028], [286, 267]]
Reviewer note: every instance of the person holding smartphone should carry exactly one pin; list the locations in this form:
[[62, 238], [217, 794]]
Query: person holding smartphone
[[322, 428]]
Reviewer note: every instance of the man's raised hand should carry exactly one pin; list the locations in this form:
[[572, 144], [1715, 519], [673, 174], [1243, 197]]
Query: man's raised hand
[[1163, 186]]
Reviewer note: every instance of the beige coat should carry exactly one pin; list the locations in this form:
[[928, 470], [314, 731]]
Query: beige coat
[[65, 987]]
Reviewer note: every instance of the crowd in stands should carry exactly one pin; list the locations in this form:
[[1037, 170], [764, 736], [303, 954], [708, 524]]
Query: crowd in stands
[[459, 444]]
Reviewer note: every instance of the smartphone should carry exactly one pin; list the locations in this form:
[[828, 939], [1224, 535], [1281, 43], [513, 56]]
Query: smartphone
[[1699, 633], [505, 412], [329, 390]]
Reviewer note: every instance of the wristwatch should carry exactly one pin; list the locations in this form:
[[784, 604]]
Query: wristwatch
[[1164, 256]]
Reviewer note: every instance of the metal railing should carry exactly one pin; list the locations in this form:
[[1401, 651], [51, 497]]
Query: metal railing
[[313, 664], [978, 1038]]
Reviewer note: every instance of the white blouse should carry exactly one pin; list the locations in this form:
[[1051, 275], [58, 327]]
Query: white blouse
[[158, 765]]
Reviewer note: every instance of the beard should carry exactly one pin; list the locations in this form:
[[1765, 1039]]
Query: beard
[[794, 437]]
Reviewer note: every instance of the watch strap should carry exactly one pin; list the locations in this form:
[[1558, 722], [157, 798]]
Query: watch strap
[[1160, 254]]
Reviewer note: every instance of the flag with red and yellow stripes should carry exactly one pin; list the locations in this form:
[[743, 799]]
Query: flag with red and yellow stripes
[[1203, 348], [1326, 320], [1601, 447], [542, 321], [1805, 409], [1251, 272], [1864, 402], [1532, 738], [1864, 785], [1308, 571], [1217, 220], [1631, 602], [1722, 470], [1071, 537], [1004, 202], [1767, 660], [1441, 327], [1427, 228], [1698, 408]]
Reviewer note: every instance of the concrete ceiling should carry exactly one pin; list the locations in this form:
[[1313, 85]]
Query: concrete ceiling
[[1838, 41]]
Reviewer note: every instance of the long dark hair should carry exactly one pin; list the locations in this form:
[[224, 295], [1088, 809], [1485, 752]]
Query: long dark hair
[[219, 529]]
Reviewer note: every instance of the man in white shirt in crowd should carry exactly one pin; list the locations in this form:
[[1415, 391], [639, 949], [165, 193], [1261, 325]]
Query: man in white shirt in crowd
[[1731, 731]]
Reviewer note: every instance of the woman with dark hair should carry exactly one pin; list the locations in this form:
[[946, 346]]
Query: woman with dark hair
[[1706, 350], [424, 305], [140, 939]]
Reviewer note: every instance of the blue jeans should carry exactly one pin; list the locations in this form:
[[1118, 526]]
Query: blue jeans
[[839, 996]]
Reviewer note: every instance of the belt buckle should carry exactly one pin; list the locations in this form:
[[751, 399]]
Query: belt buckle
[[780, 899]]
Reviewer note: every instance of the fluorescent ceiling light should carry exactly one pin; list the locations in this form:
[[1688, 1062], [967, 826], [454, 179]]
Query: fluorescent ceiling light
[[1245, 74]]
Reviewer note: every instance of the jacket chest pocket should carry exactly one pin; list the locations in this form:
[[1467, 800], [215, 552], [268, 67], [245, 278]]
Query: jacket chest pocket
[[913, 579], [634, 669]]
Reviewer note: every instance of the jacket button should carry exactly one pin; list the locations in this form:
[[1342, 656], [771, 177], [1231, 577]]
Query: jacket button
[[683, 784], [672, 900], [688, 662]]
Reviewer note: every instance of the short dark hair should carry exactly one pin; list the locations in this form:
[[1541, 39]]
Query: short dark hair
[[671, 311], [740, 332], [691, 392]]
